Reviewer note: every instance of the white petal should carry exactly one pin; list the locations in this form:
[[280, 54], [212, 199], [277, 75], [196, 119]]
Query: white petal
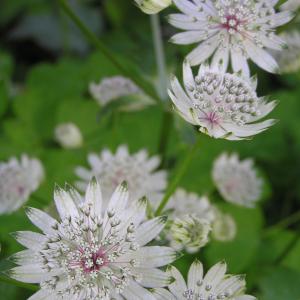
[[93, 196], [43, 294], [163, 294], [261, 57], [64, 203], [119, 198], [215, 274], [28, 273], [31, 240], [41, 220], [154, 256], [188, 37], [136, 292], [150, 230], [178, 287], [233, 283], [153, 278], [195, 275], [25, 257], [221, 58]]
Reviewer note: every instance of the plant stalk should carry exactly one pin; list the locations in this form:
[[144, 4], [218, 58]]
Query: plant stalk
[[181, 170]]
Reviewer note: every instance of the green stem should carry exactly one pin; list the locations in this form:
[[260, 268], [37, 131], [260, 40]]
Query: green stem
[[178, 175], [90, 36], [290, 220], [27, 286], [167, 120], [159, 55]]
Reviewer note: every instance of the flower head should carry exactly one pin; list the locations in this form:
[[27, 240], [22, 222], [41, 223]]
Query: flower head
[[93, 253], [18, 179], [189, 232], [224, 227], [137, 169], [152, 6], [112, 88], [214, 285], [289, 58], [233, 30], [223, 105], [68, 135], [237, 180], [182, 203]]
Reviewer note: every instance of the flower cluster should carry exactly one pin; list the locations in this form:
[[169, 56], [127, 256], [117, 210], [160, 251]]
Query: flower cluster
[[138, 170], [233, 30], [214, 285], [223, 105], [237, 180], [18, 179], [96, 251]]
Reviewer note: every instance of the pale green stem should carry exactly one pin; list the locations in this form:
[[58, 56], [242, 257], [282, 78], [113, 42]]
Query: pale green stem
[[182, 168], [159, 55]]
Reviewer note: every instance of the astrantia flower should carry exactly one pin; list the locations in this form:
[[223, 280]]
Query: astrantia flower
[[189, 232], [112, 88], [182, 203], [224, 227], [223, 105], [237, 180], [230, 30], [18, 179], [214, 285], [93, 253], [152, 6], [289, 58], [68, 135], [138, 169]]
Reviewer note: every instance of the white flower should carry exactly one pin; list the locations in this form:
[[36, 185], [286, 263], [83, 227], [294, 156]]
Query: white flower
[[289, 58], [93, 253], [233, 30], [224, 227], [290, 5], [68, 135], [237, 180], [189, 232], [182, 203], [223, 105], [152, 6], [214, 285], [112, 88], [18, 179], [138, 169]]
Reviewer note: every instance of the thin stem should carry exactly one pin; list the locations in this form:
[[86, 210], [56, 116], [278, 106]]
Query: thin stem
[[17, 283], [90, 36], [164, 137], [159, 55], [178, 175], [290, 220]]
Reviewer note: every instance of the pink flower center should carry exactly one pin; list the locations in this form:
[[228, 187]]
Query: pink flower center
[[231, 23]]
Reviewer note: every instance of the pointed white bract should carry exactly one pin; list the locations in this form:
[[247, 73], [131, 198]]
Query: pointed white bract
[[189, 232], [289, 58], [223, 105], [138, 170], [237, 180], [68, 135], [216, 284], [182, 203], [231, 30], [18, 179], [112, 88], [152, 6], [93, 252], [290, 5]]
